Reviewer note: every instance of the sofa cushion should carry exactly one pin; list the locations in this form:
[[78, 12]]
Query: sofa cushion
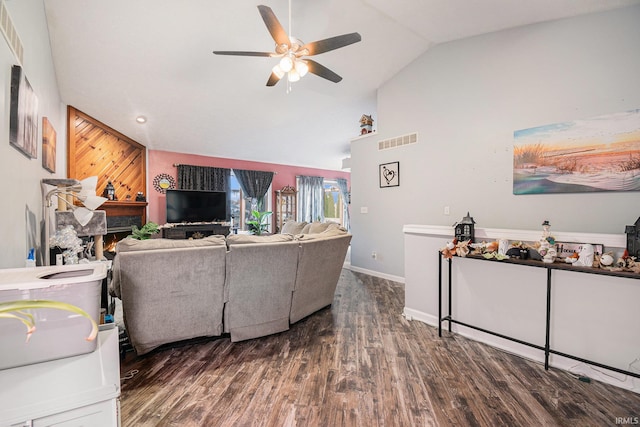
[[242, 239], [129, 245], [318, 227], [293, 227], [332, 230]]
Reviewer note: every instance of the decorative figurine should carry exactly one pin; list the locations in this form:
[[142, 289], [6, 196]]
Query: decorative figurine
[[547, 244], [545, 229], [366, 124], [455, 247], [585, 258], [606, 259]]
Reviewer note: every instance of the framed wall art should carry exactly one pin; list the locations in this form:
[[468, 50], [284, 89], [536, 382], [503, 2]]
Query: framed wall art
[[390, 174], [48, 146], [23, 114], [590, 155]]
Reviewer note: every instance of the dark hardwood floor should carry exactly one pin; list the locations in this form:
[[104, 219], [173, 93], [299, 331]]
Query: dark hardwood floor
[[359, 363]]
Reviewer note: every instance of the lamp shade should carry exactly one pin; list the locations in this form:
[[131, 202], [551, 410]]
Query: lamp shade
[[88, 187], [286, 64], [82, 215], [302, 67], [278, 71], [293, 75], [93, 202]]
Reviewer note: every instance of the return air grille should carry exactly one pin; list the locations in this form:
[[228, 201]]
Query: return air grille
[[9, 32], [398, 141]]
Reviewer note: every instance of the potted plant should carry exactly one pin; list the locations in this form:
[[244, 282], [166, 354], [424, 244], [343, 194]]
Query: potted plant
[[259, 225], [145, 232]]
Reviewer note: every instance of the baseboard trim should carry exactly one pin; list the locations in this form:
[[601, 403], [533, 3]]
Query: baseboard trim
[[411, 314], [574, 367], [373, 273]]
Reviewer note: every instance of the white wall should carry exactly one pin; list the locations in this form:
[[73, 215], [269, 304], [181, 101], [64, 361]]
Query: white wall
[[19, 175], [465, 99]]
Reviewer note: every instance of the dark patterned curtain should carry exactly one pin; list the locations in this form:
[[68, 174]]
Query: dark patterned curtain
[[203, 178], [254, 184], [207, 179]]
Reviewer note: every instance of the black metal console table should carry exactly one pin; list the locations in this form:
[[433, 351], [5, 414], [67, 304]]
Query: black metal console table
[[550, 267]]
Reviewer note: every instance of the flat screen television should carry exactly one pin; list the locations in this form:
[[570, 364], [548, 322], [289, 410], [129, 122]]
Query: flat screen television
[[196, 206]]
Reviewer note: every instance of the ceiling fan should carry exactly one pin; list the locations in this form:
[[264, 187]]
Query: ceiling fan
[[293, 52]]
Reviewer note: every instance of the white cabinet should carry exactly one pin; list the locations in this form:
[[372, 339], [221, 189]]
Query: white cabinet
[[76, 391]]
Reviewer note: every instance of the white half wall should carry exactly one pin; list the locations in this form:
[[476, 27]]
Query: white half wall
[[465, 99], [593, 317], [21, 213]]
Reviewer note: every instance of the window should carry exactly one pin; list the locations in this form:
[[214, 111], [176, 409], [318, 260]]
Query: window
[[241, 206], [333, 207]]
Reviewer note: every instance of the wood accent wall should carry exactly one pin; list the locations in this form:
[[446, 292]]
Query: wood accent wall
[[94, 148]]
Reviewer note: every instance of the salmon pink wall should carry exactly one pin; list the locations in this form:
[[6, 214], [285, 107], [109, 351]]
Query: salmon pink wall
[[163, 162]]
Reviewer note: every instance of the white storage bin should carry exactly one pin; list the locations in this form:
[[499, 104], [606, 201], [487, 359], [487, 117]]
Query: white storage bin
[[59, 333]]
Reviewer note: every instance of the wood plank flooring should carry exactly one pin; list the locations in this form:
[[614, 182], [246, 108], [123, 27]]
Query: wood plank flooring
[[359, 363]]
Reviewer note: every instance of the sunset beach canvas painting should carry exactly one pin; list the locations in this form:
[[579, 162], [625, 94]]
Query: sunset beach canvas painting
[[597, 154]]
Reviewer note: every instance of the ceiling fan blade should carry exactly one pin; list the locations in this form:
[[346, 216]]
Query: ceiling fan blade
[[322, 71], [273, 25], [322, 46], [273, 79], [241, 53]]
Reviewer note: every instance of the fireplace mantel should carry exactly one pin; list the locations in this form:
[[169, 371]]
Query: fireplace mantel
[[122, 215]]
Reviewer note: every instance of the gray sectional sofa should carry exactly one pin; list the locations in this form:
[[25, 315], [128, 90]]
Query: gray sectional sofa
[[247, 286]]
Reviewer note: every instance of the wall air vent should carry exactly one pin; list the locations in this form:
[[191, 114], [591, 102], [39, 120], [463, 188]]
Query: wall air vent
[[10, 34], [398, 141]]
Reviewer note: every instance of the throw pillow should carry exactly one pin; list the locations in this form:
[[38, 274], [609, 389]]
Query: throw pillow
[[331, 231], [293, 227]]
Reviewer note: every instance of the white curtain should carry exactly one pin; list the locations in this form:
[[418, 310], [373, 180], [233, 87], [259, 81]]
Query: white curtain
[[310, 198]]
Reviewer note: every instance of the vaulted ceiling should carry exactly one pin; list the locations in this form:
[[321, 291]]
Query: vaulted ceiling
[[118, 59]]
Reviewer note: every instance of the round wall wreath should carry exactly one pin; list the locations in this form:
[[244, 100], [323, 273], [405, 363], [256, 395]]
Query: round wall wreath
[[163, 182]]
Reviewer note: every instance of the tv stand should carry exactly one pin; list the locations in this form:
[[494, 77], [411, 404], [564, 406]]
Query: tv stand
[[194, 231]]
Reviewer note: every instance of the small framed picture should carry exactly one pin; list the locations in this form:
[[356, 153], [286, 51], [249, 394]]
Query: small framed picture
[[48, 146], [390, 174]]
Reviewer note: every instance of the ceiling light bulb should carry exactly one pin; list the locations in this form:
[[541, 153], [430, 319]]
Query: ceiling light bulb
[[286, 64], [141, 119], [302, 68], [277, 70], [294, 76]]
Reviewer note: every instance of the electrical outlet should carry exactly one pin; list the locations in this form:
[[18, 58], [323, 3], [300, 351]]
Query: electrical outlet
[[374, 255], [364, 210], [446, 210]]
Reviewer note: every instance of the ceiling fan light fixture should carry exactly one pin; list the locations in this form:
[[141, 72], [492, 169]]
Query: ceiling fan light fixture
[[293, 75], [302, 68], [277, 70], [290, 51], [286, 64]]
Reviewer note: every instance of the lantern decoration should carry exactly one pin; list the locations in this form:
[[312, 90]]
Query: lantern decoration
[[109, 191], [464, 230], [633, 239]]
